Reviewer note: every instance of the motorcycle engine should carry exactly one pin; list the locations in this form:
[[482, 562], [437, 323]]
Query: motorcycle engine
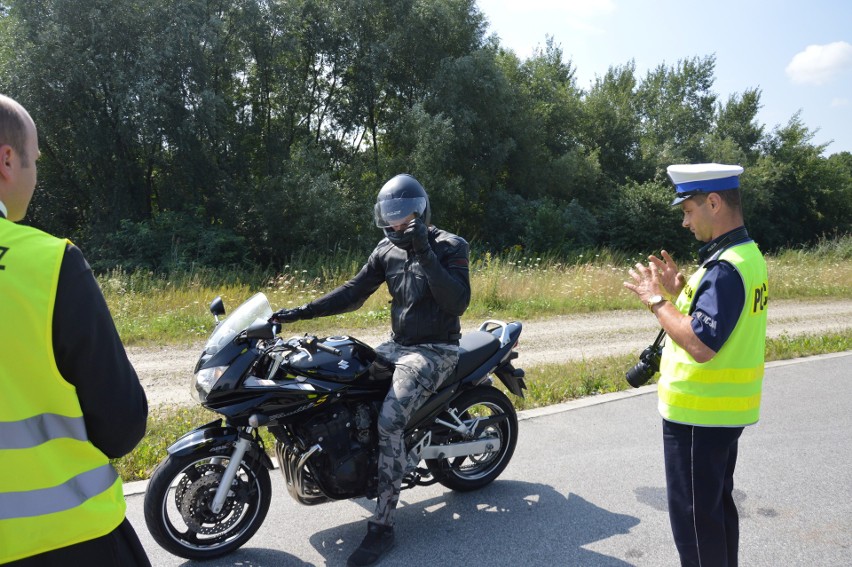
[[346, 464]]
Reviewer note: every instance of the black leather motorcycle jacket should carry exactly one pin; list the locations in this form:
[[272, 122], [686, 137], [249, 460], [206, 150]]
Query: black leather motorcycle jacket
[[430, 291]]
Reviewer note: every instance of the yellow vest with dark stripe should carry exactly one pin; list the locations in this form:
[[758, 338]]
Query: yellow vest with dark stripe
[[56, 488], [724, 391]]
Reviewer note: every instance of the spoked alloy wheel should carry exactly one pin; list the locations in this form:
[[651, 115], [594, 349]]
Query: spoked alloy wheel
[[178, 499], [475, 471]]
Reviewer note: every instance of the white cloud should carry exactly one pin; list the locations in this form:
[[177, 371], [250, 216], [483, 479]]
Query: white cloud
[[840, 102], [818, 64]]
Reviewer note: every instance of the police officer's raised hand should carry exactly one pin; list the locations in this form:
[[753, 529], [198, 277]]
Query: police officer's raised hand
[[646, 281], [416, 229], [670, 278]]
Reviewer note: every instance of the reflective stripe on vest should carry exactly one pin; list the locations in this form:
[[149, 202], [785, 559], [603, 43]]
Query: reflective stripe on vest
[[66, 496], [726, 390], [56, 488], [40, 429]]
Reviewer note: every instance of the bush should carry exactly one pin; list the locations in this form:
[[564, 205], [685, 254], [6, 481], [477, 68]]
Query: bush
[[641, 219], [558, 229], [167, 242]]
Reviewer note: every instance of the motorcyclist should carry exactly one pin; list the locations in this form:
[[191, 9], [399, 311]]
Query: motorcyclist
[[427, 274]]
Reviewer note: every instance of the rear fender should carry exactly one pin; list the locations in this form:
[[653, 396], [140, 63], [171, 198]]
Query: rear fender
[[501, 363], [214, 436], [512, 378]]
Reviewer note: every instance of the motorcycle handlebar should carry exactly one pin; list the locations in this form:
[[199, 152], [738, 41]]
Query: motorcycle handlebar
[[328, 349], [312, 344]]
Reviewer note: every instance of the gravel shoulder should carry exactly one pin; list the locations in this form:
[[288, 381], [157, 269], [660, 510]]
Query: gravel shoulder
[[165, 372]]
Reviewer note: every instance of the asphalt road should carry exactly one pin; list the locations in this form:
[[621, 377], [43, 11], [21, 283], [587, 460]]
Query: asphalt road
[[586, 488]]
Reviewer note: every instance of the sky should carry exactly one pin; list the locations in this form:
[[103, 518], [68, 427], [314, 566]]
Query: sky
[[798, 53]]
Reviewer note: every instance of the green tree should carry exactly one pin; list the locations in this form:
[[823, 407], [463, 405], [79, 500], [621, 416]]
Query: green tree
[[611, 123], [793, 195], [676, 107], [471, 101], [548, 158], [737, 121]]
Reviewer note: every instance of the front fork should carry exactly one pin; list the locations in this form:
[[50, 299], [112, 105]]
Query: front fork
[[242, 445]]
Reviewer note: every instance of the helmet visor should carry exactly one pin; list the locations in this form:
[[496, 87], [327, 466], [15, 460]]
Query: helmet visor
[[391, 212]]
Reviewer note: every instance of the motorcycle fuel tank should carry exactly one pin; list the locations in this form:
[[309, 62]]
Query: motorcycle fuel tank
[[352, 364]]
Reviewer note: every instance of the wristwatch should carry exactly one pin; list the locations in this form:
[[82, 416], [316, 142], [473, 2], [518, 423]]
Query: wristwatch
[[654, 300]]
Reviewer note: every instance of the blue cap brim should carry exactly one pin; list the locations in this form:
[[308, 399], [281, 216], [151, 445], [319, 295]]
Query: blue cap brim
[[690, 188]]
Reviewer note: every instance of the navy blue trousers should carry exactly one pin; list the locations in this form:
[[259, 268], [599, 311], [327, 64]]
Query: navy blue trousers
[[700, 464]]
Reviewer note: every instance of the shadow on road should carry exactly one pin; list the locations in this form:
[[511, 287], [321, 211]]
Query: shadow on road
[[253, 557], [506, 523]]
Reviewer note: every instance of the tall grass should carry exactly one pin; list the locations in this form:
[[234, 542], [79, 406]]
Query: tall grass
[[822, 270], [153, 308]]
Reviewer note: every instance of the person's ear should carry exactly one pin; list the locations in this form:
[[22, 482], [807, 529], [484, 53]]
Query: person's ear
[[6, 158], [714, 200]]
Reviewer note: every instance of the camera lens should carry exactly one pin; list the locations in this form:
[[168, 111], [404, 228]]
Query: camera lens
[[639, 374]]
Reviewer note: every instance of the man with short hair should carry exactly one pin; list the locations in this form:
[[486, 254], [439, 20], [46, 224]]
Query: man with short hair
[[69, 397], [711, 370]]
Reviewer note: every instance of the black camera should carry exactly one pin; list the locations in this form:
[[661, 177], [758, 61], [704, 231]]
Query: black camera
[[649, 363]]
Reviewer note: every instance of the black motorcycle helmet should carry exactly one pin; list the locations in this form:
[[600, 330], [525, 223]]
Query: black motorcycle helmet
[[397, 199]]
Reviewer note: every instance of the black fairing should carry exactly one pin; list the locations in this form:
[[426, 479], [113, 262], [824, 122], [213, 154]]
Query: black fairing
[[306, 383], [238, 356], [223, 357]]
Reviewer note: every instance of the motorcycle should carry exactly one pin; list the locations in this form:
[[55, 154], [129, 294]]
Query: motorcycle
[[319, 399]]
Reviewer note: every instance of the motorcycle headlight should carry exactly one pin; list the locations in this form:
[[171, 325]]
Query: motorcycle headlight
[[204, 380]]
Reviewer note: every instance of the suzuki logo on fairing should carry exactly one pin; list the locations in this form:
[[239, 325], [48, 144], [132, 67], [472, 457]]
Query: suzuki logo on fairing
[[343, 365]]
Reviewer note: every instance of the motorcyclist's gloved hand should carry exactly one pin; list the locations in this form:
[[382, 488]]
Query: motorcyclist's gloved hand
[[290, 315], [419, 234]]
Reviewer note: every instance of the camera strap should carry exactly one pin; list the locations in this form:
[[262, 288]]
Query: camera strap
[[713, 250], [659, 340]]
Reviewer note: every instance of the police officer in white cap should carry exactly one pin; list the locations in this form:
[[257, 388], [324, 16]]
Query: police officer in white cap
[[711, 369]]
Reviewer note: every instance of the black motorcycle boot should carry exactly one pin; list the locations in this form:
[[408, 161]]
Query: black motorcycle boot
[[378, 540]]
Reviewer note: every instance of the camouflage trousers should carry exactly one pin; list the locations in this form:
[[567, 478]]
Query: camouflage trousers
[[420, 371]]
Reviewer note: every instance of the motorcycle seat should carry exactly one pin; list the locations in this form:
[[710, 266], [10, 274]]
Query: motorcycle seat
[[474, 349]]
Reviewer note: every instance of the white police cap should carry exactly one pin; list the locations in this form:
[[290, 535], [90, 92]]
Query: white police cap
[[692, 179]]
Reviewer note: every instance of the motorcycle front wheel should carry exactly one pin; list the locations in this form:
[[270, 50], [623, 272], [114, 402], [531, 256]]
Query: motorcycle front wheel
[[472, 472], [178, 498]]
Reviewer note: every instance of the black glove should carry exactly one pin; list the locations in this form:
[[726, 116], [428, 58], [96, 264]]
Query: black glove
[[290, 315], [419, 235]]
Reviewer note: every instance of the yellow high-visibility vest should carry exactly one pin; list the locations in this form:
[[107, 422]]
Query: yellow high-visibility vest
[[726, 390], [56, 487]]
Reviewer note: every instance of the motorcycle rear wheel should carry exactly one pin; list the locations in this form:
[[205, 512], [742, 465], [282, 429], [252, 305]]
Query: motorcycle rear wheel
[[180, 492], [472, 472]]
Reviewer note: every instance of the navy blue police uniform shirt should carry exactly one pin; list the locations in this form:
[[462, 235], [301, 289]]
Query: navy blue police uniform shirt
[[719, 301]]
